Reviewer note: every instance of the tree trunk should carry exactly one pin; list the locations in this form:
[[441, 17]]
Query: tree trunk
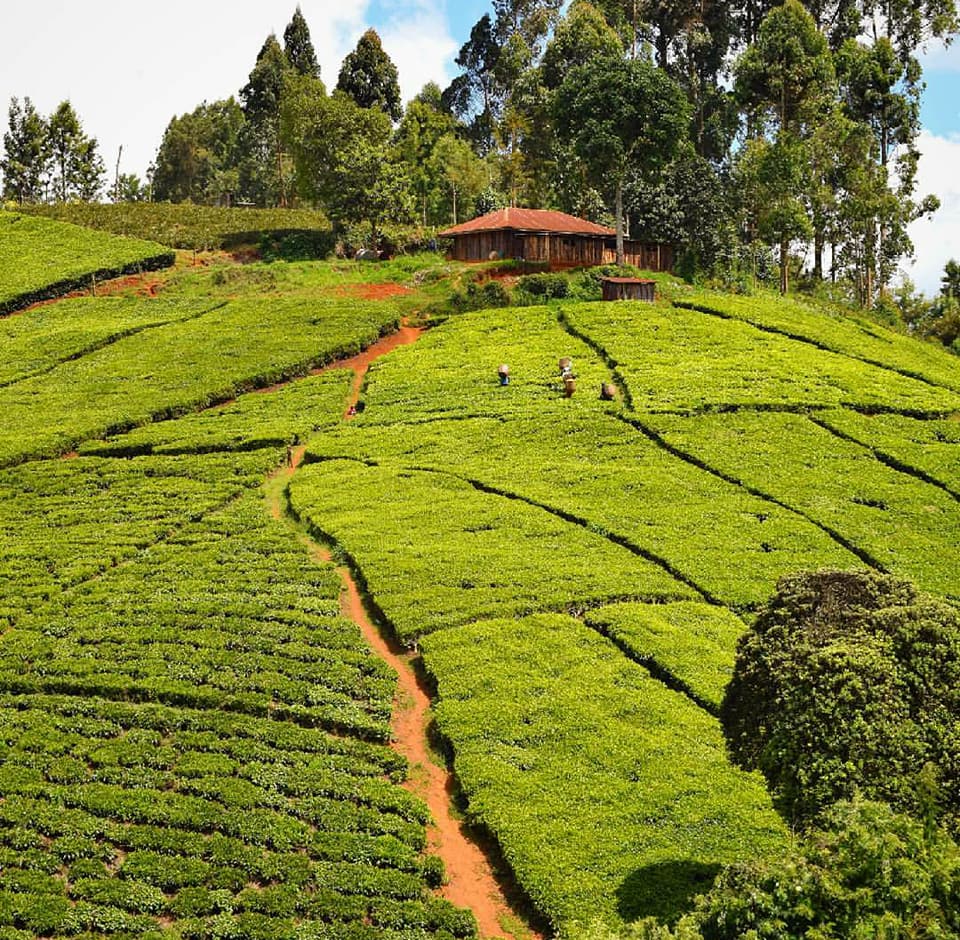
[[283, 195], [818, 254], [619, 209], [784, 270]]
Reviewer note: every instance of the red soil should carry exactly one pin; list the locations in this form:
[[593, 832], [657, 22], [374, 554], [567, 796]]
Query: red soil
[[373, 291], [361, 362], [137, 284], [471, 882]]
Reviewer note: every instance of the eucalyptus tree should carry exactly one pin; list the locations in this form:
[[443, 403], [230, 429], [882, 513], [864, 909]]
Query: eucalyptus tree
[[24, 153], [786, 84], [370, 78], [620, 115], [474, 96], [196, 150], [75, 168], [423, 126], [345, 159], [262, 98]]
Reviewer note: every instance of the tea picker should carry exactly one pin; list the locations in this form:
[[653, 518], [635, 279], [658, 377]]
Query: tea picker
[[504, 373]]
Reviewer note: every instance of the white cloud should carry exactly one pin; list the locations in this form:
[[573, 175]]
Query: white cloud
[[334, 30], [936, 240], [941, 58], [420, 44]]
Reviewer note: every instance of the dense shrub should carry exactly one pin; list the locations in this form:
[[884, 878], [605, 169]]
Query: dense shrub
[[868, 873], [545, 286], [848, 682], [477, 296]]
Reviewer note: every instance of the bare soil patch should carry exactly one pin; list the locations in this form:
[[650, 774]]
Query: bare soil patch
[[372, 291]]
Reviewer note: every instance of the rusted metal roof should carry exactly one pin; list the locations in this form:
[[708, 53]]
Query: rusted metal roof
[[529, 220]]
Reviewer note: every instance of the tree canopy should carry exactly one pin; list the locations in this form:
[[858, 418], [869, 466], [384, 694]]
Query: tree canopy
[[49, 158], [369, 77], [849, 682]]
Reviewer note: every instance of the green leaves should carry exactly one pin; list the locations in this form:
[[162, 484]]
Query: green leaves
[[847, 684]]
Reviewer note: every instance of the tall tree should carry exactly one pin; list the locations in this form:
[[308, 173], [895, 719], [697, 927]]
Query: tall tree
[[76, 168], [345, 161], [262, 98], [618, 114], [196, 150], [786, 81], [474, 96], [581, 35], [530, 19], [908, 24], [882, 92], [950, 282], [422, 128], [298, 46], [464, 174], [24, 156], [369, 77]]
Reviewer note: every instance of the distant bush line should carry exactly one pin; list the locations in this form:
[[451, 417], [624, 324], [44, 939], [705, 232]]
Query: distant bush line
[[199, 228]]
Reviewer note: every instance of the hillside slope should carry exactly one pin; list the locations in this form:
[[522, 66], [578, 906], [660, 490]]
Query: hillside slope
[[194, 740]]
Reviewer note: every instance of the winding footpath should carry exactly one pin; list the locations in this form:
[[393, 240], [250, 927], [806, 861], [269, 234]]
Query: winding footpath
[[472, 881]]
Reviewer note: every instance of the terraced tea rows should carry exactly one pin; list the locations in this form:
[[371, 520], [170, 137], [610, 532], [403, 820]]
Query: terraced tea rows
[[709, 474], [191, 742], [611, 795], [194, 739], [176, 368], [40, 258]]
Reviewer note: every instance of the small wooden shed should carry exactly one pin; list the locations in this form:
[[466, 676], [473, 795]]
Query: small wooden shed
[[628, 288]]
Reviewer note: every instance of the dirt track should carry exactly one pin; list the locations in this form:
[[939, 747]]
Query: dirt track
[[471, 881]]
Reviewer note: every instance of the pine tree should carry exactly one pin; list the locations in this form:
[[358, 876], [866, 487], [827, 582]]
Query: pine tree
[[369, 76], [299, 48]]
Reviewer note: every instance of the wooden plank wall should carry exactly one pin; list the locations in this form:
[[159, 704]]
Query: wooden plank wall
[[649, 257], [559, 250]]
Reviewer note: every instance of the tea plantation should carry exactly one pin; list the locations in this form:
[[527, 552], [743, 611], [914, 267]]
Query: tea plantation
[[195, 742], [41, 258]]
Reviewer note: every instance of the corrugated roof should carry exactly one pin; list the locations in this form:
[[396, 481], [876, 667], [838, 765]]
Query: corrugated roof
[[529, 220]]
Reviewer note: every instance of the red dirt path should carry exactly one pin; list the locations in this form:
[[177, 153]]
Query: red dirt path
[[471, 882]]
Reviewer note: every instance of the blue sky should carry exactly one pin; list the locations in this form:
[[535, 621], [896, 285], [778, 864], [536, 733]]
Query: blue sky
[[129, 67], [937, 240]]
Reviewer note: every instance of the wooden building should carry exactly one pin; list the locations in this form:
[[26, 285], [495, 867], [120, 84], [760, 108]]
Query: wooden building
[[628, 288], [645, 255], [546, 237]]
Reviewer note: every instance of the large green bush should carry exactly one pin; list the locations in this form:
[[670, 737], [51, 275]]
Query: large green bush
[[869, 873], [848, 682]]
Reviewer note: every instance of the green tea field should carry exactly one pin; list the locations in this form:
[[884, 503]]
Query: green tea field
[[198, 738]]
